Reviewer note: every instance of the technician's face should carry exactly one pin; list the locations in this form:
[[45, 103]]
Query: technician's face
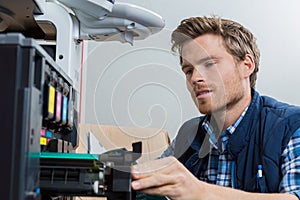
[[213, 77]]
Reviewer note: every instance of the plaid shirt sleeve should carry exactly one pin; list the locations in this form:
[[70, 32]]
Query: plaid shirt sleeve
[[291, 166], [169, 151]]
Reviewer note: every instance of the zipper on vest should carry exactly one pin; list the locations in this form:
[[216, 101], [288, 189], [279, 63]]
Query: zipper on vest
[[233, 174]]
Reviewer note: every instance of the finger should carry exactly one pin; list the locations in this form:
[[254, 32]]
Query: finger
[[166, 190], [163, 165], [155, 180], [176, 190]]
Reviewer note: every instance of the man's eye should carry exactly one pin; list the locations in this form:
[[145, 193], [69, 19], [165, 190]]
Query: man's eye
[[209, 64], [188, 72]]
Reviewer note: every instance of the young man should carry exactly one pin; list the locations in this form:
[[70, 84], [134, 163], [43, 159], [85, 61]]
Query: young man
[[246, 142]]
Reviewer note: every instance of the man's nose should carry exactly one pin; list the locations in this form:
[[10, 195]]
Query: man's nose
[[196, 76]]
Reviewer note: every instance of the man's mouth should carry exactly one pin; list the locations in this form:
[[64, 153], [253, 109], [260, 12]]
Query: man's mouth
[[202, 93]]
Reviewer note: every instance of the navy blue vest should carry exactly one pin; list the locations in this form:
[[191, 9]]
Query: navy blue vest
[[260, 138]]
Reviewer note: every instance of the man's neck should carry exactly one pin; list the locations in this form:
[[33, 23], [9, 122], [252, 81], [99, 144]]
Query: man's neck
[[226, 117]]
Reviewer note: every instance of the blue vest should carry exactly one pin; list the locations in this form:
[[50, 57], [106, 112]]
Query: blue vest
[[259, 139]]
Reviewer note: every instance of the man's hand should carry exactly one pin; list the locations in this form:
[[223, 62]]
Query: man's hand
[[166, 177]]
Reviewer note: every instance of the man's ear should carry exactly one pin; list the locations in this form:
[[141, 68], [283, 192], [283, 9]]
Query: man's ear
[[248, 65]]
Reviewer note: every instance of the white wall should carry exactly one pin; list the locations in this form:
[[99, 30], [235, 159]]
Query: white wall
[[142, 85]]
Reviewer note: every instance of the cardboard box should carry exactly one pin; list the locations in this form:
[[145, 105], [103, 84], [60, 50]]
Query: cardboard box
[[154, 141]]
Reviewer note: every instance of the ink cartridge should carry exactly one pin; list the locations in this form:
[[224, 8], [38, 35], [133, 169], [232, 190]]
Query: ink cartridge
[[71, 108], [55, 145], [52, 95], [58, 100], [49, 94], [45, 137], [65, 100], [43, 140]]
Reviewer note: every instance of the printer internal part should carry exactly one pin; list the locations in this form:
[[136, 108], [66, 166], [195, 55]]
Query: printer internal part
[[72, 174], [41, 54]]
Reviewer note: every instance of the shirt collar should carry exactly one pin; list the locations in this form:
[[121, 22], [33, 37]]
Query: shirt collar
[[232, 128], [210, 130]]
